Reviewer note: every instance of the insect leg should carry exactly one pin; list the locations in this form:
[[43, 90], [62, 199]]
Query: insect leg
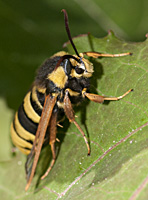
[[97, 54], [99, 99], [70, 115], [53, 131]]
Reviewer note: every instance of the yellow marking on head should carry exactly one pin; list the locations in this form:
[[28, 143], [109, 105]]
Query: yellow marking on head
[[35, 98], [18, 141], [58, 77], [74, 74], [21, 131], [88, 66], [29, 109]]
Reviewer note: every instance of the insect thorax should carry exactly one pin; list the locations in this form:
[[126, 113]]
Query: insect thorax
[[69, 75]]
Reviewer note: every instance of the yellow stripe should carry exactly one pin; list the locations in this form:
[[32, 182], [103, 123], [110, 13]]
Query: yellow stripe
[[19, 141], [29, 109], [21, 131], [35, 98], [24, 151]]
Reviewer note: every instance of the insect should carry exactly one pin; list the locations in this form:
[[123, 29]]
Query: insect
[[62, 81]]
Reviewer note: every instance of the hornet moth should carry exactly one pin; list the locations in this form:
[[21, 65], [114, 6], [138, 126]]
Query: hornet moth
[[62, 81]]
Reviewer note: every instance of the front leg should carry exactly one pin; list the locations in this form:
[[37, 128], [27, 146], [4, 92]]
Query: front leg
[[100, 99]]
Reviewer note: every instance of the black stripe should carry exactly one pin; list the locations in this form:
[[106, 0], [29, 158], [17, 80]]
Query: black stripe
[[20, 136], [26, 123], [27, 147], [41, 97], [35, 106]]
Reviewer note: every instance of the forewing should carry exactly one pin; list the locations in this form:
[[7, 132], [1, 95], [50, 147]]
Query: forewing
[[39, 139]]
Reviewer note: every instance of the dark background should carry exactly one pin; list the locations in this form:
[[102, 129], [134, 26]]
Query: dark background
[[31, 31]]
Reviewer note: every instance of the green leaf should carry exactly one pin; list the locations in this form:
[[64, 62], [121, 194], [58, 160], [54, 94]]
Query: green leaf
[[6, 117], [117, 131]]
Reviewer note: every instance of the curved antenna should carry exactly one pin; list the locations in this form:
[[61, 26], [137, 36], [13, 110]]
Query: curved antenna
[[68, 30]]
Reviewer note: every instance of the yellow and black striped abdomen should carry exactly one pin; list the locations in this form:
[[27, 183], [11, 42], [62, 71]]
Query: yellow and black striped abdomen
[[25, 123]]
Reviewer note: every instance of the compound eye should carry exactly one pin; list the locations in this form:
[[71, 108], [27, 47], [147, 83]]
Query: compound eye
[[79, 70]]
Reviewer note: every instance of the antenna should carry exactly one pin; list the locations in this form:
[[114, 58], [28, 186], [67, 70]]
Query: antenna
[[68, 30]]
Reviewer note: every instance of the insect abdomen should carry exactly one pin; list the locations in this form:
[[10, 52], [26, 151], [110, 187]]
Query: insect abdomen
[[25, 123]]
